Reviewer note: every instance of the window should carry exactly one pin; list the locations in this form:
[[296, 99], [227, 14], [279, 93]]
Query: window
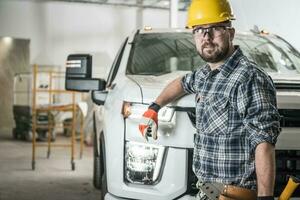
[[160, 53]]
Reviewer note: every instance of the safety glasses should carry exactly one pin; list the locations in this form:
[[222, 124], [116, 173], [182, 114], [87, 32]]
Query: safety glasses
[[212, 31]]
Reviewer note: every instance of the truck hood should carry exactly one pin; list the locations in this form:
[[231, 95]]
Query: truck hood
[[285, 78], [151, 86]]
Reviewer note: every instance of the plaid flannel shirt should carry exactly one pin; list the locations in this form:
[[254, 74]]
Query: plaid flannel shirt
[[235, 111]]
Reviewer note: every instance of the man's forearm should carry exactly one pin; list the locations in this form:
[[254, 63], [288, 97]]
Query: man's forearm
[[171, 92], [265, 168]]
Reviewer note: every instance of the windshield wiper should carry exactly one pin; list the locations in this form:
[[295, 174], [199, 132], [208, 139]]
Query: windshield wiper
[[152, 73]]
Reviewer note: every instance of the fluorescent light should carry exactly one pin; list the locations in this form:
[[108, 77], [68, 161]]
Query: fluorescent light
[[7, 40]]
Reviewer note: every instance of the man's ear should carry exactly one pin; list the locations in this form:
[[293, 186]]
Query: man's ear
[[232, 33]]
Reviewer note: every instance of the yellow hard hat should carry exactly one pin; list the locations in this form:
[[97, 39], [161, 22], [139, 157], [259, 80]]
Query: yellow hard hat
[[208, 11]]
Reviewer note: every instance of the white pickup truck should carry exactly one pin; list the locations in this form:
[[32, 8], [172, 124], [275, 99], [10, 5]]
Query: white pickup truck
[[128, 167]]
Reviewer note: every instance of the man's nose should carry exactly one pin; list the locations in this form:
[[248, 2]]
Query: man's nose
[[207, 34]]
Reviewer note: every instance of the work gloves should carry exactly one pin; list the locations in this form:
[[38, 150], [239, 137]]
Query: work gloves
[[149, 122]]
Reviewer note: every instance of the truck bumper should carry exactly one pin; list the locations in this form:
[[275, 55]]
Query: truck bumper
[[109, 196]]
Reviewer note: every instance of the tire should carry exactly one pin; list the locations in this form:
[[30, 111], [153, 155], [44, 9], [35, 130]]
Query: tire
[[97, 175], [104, 186], [104, 177]]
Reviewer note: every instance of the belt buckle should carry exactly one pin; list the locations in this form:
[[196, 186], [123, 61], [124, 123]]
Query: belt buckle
[[211, 190]]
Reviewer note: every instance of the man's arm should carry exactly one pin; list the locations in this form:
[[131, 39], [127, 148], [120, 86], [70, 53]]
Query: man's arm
[[171, 92], [149, 122], [265, 168], [256, 103]]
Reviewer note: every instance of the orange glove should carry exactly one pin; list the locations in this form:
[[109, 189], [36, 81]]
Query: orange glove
[[148, 125]]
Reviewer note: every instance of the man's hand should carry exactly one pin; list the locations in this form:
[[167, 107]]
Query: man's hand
[[172, 91], [149, 122], [148, 125]]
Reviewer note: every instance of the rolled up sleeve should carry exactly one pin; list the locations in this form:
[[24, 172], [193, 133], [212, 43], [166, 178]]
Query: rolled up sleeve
[[257, 105], [188, 82]]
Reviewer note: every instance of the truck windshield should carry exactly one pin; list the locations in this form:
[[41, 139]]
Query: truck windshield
[[161, 53]]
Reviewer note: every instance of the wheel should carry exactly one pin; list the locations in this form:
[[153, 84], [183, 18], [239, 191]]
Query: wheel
[[97, 175], [104, 186], [104, 177]]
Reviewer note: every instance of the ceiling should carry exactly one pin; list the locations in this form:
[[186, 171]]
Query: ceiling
[[155, 4]]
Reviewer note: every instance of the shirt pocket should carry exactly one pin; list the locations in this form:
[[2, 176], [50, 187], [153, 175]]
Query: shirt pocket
[[215, 115]]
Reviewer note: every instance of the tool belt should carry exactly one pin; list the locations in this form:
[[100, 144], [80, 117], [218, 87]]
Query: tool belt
[[218, 191]]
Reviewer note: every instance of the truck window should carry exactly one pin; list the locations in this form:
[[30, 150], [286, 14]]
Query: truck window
[[161, 53]]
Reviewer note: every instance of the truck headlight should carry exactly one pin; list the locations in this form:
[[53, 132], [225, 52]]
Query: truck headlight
[[143, 162]]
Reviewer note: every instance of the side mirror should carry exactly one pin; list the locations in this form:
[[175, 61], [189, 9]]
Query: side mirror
[[79, 74]]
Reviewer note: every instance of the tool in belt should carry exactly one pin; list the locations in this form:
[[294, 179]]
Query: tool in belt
[[219, 191]]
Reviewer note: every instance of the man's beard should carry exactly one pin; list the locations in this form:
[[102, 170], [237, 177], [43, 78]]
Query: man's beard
[[217, 56]]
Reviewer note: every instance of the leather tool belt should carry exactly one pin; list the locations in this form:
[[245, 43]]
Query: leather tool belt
[[218, 191]]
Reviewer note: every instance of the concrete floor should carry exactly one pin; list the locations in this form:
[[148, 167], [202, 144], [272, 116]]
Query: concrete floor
[[53, 178]]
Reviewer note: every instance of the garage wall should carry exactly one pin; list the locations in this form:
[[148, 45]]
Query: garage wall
[[56, 29], [14, 58], [280, 17], [59, 28]]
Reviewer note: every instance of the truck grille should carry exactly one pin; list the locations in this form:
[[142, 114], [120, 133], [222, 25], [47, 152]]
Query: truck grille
[[289, 117], [287, 163]]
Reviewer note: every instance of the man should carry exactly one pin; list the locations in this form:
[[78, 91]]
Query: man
[[237, 120]]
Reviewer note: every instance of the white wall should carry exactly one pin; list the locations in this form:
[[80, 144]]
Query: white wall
[[276, 16], [57, 29]]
